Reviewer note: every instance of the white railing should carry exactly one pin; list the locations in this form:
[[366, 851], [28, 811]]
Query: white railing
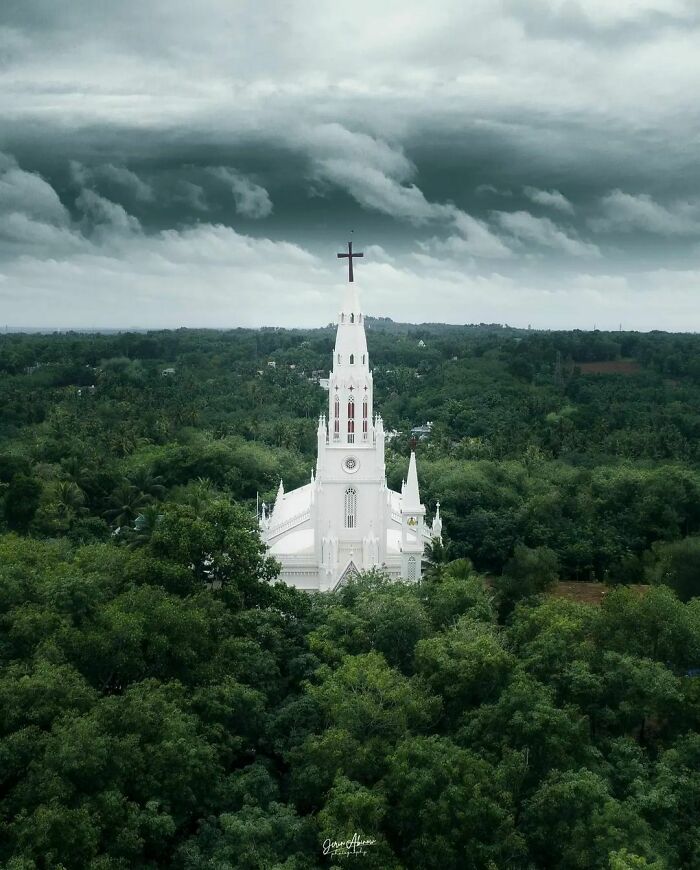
[[296, 520]]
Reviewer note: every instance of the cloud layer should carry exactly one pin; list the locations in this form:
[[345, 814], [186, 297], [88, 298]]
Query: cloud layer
[[520, 161]]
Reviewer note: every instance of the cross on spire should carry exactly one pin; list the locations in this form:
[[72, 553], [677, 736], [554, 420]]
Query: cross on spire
[[349, 257]]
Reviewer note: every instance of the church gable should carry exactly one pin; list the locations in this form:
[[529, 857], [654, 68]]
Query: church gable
[[347, 575]]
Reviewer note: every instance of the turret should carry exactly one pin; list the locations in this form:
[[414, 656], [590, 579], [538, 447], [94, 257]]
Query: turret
[[278, 500], [411, 497], [436, 528], [321, 439], [412, 517]]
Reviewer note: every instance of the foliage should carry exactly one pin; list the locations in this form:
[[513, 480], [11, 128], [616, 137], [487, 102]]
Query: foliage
[[164, 703]]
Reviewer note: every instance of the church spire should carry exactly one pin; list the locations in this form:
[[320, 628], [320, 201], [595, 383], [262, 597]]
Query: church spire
[[411, 496], [436, 528], [350, 410], [350, 342], [351, 305]]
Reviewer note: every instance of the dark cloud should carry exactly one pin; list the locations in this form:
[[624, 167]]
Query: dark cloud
[[529, 153], [251, 199]]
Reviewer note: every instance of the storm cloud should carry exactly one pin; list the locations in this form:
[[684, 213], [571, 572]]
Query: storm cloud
[[528, 162]]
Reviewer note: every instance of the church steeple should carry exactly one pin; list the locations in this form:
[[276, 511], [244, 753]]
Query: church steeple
[[350, 354], [350, 397], [411, 496]]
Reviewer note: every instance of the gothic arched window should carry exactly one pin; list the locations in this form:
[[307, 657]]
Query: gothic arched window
[[351, 508], [351, 420], [352, 318], [364, 419], [411, 567], [338, 357], [336, 418], [363, 359], [352, 359]]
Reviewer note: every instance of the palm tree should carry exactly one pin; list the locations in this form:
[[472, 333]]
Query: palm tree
[[126, 441], [200, 493], [69, 498], [126, 504], [435, 558], [148, 483], [76, 469], [145, 524]]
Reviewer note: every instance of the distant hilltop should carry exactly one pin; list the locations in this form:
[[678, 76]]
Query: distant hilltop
[[378, 324], [386, 324]]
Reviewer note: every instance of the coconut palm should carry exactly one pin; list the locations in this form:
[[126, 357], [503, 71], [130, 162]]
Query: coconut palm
[[126, 503], [434, 559], [145, 524], [68, 498], [199, 493], [147, 483]]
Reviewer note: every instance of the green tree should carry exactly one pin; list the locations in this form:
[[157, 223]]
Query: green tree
[[449, 810], [22, 497], [677, 564], [572, 821], [529, 572], [465, 665]]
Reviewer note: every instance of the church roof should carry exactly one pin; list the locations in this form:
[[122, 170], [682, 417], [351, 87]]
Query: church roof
[[290, 504], [296, 543]]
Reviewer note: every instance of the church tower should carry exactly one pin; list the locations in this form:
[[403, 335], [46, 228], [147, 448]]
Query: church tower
[[346, 520], [350, 384]]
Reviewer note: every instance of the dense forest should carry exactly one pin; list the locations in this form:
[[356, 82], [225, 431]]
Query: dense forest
[[165, 703]]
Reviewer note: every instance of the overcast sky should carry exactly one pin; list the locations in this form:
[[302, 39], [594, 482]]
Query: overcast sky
[[167, 163]]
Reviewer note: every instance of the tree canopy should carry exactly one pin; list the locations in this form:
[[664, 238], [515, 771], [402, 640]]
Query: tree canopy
[[165, 703]]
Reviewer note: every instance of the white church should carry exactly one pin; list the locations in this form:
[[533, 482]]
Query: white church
[[346, 520]]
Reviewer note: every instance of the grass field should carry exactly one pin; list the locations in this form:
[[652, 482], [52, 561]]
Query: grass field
[[588, 593]]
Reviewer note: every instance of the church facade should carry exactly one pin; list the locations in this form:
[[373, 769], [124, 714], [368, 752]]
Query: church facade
[[346, 519]]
